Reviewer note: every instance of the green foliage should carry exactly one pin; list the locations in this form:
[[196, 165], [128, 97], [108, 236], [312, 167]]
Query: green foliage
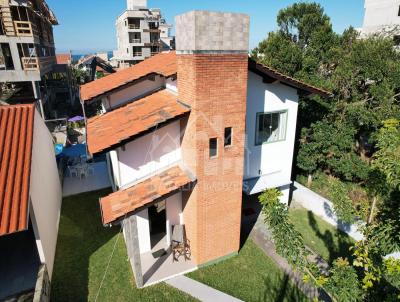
[[330, 147], [387, 158], [343, 282], [288, 241], [342, 204], [392, 271]]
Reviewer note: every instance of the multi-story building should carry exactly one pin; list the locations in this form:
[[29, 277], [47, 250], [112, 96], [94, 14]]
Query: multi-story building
[[383, 17], [187, 134], [138, 33], [27, 52]]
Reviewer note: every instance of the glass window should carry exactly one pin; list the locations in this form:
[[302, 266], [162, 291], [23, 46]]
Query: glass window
[[271, 127], [228, 137], [213, 147]]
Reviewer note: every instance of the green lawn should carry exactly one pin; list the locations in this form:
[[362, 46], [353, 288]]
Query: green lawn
[[320, 236], [83, 251], [250, 276]]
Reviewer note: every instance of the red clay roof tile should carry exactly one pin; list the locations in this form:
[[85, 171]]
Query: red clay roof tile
[[163, 64], [16, 136], [110, 129], [121, 203], [64, 58]]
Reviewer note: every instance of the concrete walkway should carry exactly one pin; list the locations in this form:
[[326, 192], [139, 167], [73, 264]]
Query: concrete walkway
[[262, 237], [199, 290]]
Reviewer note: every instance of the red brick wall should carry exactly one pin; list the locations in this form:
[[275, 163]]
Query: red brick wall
[[215, 86]]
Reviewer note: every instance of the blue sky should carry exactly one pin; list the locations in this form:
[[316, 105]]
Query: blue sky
[[89, 25]]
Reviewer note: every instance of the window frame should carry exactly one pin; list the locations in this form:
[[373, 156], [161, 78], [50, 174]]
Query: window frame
[[286, 111], [216, 147], [230, 138]]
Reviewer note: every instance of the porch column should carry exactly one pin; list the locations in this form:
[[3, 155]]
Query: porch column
[[130, 228]]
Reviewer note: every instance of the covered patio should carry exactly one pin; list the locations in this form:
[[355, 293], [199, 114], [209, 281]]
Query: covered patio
[[151, 215]]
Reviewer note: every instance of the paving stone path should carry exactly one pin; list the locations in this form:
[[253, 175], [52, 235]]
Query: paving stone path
[[199, 290]]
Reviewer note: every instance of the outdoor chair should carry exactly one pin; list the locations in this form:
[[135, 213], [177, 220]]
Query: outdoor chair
[[72, 171], [180, 245]]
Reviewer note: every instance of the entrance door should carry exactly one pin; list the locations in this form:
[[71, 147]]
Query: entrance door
[[157, 220]]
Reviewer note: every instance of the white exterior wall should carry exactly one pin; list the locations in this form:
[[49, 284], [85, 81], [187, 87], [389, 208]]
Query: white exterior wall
[[132, 92], [270, 159], [143, 226], [174, 213], [171, 85], [148, 154], [45, 191], [380, 14]]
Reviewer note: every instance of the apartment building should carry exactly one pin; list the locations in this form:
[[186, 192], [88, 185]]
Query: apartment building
[[27, 51], [139, 32], [187, 134], [382, 16]]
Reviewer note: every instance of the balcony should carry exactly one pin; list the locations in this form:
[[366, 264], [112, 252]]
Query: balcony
[[37, 63], [137, 54], [135, 41], [25, 29]]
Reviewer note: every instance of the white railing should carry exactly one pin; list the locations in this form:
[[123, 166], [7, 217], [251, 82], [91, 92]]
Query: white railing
[[136, 40], [137, 54]]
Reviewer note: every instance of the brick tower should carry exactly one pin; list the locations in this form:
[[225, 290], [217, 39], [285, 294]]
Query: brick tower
[[212, 52]]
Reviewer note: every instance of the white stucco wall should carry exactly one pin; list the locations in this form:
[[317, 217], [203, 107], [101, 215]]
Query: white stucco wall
[[174, 213], [172, 85], [126, 95], [149, 154], [274, 159], [45, 191], [143, 226], [380, 14]]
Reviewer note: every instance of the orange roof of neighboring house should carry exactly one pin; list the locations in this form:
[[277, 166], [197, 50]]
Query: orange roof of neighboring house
[[16, 136], [163, 64], [64, 58], [124, 202], [125, 123]]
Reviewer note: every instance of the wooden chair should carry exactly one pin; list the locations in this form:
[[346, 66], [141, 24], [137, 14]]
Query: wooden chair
[[180, 245]]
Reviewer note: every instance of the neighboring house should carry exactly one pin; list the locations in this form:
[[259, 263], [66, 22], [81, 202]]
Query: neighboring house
[[382, 17], [141, 33], [186, 134], [27, 50], [95, 66], [30, 199], [62, 86]]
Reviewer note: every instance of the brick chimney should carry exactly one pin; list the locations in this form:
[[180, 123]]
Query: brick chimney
[[212, 52]]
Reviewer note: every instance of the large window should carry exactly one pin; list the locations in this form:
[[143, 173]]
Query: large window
[[271, 127]]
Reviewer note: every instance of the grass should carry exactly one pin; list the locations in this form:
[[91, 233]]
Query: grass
[[320, 236], [250, 276], [83, 255]]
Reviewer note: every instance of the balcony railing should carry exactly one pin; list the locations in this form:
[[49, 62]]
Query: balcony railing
[[37, 63], [25, 29], [137, 54], [134, 26], [136, 41]]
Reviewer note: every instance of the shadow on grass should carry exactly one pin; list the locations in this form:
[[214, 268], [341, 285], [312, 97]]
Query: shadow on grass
[[81, 234], [342, 249]]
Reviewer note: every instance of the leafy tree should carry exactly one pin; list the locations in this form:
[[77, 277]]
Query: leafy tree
[[343, 282], [342, 204], [287, 239]]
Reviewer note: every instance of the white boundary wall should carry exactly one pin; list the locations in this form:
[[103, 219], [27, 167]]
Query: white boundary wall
[[323, 208]]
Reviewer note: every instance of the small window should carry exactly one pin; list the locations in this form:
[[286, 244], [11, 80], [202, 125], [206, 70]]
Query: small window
[[228, 137], [398, 13], [396, 40], [213, 147], [271, 127]]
